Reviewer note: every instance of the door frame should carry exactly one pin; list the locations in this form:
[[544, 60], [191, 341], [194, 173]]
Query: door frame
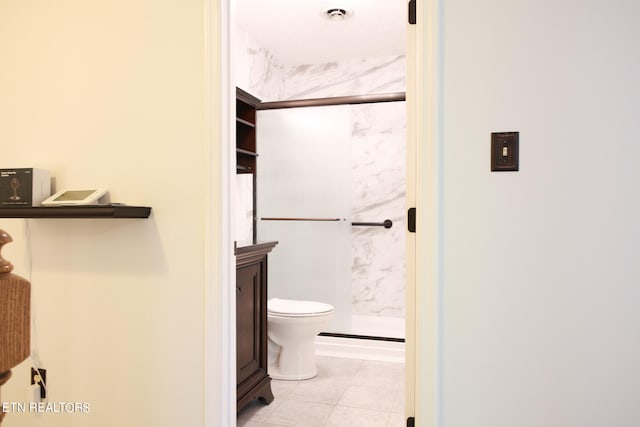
[[219, 347], [424, 273]]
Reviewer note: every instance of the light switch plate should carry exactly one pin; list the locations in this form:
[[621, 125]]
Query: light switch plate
[[504, 151]]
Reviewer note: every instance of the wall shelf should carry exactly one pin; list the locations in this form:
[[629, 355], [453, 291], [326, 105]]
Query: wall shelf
[[247, 152], [92, 211], [246, 131], [245, 122]]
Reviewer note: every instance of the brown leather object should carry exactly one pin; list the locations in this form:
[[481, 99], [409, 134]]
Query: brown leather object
[[15, 313]]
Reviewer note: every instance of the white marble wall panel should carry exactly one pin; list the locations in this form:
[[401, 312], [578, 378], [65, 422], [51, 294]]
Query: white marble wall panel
[[244, 210], [378, 157], [259, 72], [353, 77]]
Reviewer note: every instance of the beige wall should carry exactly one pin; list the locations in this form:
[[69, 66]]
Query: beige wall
[[111, 94]]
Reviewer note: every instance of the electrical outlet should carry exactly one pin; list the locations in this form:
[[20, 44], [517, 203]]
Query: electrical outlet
[[39, 377]]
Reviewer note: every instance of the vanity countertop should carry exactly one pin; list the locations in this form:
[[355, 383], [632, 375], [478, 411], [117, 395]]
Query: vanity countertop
[[256, 249]]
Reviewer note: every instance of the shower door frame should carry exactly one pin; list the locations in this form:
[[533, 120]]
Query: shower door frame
[[337, 101]]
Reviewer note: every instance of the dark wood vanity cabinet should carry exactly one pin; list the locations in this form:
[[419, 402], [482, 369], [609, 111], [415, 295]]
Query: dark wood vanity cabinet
[[253, 382]]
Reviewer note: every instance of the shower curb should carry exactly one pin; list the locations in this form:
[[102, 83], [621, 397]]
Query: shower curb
[[364, 349]]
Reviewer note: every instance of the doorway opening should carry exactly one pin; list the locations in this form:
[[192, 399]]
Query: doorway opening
[[332, 120], [366, 280]]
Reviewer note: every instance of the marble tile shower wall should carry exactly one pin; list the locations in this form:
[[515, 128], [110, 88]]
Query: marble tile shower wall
[[265, 76], [378, 182], [351, 77], [378, 159]]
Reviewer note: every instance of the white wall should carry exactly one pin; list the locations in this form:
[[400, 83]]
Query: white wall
[[540, 291], [111, 94]]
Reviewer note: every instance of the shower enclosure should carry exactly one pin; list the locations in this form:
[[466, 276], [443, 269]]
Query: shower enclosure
[[332, 192]]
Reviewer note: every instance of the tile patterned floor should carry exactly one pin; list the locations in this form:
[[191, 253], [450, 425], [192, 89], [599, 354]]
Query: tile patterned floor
[[346, 393]]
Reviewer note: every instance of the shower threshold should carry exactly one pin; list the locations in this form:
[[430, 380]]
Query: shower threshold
[[372, 348], [360, 337], [368, 338]]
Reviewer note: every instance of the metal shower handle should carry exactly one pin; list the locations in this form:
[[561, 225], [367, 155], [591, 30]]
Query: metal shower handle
[[387, 223]]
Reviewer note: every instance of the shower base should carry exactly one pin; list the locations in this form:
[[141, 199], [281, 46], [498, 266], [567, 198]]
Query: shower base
[[375, 326], [358, 348]]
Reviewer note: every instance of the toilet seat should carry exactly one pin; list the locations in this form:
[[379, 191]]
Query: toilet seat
[[295, 308]]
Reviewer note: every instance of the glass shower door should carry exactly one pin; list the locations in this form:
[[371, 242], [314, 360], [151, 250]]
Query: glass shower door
[[304, 204]]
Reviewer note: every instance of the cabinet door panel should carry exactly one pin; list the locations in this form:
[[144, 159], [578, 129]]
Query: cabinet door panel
[[248, 315]]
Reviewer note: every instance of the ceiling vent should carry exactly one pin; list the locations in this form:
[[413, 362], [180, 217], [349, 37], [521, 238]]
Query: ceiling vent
[[337, 13]]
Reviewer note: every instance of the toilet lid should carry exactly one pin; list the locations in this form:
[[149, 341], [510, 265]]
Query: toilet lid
[[290, 307]]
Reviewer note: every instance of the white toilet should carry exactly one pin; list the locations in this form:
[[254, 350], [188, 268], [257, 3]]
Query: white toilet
[[292, 328]]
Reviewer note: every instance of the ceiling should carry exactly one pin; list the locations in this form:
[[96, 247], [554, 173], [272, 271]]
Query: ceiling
[[297, 31]]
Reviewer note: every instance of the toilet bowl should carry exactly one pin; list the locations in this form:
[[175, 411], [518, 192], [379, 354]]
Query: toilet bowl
[[292, 328]]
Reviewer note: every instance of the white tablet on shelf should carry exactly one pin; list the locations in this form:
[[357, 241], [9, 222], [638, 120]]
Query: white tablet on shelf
[[75, 197]]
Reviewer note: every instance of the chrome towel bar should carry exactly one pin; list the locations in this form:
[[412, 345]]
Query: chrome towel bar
[[387, 223], [300, 219]]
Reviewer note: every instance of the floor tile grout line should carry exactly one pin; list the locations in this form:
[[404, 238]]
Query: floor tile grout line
[[358, 375]]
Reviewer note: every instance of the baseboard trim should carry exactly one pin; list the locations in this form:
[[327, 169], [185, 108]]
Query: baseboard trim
[[356, 348]]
